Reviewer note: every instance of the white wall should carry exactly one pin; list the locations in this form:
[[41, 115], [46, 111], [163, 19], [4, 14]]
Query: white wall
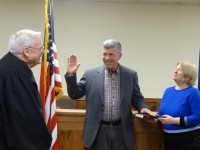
[[153, 36]]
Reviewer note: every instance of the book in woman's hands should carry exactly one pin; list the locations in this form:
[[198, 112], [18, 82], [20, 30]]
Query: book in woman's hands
[[146, 116]]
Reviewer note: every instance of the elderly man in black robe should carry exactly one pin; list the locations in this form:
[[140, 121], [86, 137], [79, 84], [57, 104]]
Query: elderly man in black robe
[[22, 126]]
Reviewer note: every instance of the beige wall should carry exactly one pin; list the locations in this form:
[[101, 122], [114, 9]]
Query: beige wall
[[154, 36]]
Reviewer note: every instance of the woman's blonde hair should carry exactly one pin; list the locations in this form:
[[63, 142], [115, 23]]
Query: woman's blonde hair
[[189, 72]]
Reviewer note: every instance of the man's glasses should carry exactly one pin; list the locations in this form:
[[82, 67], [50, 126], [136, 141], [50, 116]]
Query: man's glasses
[[38, 49]]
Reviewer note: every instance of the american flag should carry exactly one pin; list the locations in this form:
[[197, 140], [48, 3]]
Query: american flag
[[50, 80]]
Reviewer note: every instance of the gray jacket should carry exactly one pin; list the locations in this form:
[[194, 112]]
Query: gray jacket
[[91, 85]]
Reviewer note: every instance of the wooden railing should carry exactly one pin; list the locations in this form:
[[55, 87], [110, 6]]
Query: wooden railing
[[67, 103]]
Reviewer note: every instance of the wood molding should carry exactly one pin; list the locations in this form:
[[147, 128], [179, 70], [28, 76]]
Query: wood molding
[[67, 103]]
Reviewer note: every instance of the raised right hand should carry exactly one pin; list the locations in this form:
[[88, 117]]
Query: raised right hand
[[72, 65]]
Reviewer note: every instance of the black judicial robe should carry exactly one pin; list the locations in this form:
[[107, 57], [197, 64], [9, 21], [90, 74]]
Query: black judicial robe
[[22, 126]]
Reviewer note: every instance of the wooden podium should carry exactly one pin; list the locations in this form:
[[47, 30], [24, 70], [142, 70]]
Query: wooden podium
[[149, 136]]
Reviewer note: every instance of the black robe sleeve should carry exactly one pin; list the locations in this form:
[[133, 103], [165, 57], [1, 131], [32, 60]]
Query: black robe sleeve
[[22, 126]]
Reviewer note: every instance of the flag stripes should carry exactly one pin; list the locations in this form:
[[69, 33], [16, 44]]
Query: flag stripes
[[50, 80]]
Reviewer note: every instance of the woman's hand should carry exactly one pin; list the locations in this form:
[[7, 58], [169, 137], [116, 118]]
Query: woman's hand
[[167, 119]]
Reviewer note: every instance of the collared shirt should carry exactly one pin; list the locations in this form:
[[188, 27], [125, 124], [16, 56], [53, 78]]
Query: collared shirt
[[112, 96]]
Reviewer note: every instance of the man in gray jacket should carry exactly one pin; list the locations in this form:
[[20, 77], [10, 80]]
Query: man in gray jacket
[[110, 91]]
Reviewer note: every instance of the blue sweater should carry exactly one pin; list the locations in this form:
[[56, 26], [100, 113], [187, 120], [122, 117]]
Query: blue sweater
[[181, 103]]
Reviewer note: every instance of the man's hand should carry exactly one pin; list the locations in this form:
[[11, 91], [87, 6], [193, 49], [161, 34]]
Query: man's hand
[[147, 111], [151, 116], [72, 65]]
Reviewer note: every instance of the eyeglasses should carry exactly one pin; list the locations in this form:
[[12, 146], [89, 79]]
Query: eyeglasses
[[39, 49]]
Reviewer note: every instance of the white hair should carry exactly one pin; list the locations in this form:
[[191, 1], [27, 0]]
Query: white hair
[[21, 39], [112, 43]]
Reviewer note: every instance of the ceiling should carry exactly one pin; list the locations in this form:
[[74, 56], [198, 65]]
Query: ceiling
[[152, 1]]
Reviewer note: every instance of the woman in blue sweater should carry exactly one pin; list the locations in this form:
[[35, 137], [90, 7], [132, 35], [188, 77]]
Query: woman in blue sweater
[[180, 110]]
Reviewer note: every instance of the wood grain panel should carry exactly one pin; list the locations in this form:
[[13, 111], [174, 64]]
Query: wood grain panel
[[70, 128]]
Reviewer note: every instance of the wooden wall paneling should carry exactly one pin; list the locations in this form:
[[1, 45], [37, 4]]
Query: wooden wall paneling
[[70, 127], [149, 136]]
